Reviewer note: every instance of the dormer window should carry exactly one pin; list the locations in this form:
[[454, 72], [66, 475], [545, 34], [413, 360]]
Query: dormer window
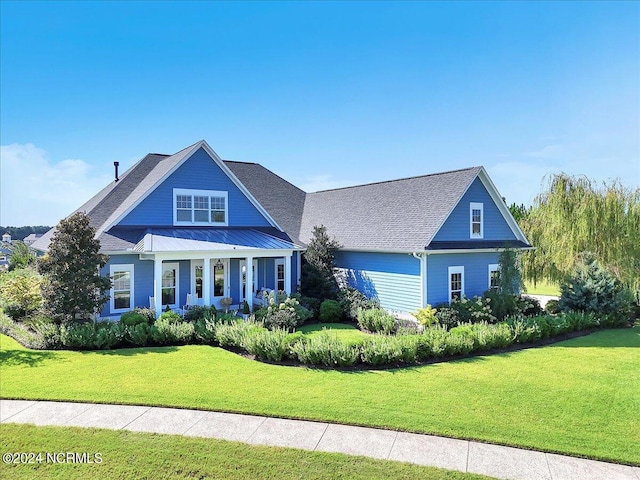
[[476, 220], [200, 207]]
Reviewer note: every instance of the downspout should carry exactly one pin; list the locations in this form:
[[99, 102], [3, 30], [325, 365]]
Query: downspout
[[422, 256]]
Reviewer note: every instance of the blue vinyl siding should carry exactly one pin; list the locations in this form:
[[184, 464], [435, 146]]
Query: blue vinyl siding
[[392, 278], [234, 280], [476, 274], [142, 277], [456, 227], [184, 274], [199, 172]]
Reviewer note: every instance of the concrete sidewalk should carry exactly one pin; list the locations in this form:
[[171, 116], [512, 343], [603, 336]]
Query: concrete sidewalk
[[466, 456]]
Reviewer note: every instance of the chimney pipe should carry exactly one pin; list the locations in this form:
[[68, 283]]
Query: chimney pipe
[[115, 164]]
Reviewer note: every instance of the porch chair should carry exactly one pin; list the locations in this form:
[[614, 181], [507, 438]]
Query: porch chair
[[188, 304]]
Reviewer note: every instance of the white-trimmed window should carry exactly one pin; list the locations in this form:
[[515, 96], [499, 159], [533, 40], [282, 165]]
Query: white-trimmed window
[[122, 295], [280, 274], [170, 284], [200, 207], [456, 283], [494, 276], [476, 220]]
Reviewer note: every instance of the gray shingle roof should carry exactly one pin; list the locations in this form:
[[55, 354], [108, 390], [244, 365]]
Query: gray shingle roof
[[283, 201], [398, 215]]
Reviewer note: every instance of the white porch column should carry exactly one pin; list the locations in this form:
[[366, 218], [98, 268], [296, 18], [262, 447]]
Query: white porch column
[[206, 281], [248, 286], [287, 273], [157, 285]]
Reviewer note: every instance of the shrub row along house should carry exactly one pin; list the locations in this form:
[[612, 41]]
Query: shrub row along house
[[191, 228]]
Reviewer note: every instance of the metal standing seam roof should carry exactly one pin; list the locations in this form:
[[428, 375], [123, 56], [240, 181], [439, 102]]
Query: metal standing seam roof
[[206, 239]]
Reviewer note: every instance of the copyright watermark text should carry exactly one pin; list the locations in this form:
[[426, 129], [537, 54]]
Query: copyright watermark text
[[51, 457]]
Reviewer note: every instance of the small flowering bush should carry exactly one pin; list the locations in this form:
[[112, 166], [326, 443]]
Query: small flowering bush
[[476, 310], [283, 312]]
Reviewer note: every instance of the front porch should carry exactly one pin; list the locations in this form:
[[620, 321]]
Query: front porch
[[207, 280], [179, 267]]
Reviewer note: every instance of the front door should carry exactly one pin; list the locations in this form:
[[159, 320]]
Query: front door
[[220, 280], [170, 285], [197, 282], [243, 279]]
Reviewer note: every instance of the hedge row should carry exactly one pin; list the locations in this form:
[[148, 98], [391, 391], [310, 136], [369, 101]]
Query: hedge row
[[324, 349]]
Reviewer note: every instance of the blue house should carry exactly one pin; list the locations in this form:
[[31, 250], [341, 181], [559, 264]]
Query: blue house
[[193, 228]]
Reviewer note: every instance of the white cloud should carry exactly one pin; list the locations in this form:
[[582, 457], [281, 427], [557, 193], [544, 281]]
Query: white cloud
[[37, 191]]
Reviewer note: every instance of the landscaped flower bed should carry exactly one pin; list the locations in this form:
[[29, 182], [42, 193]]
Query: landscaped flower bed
[[324, 348]]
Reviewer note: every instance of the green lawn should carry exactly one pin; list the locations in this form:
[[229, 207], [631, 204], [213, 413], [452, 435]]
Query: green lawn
[[127, 455], [345, 332], [543, 287], [579, 397]]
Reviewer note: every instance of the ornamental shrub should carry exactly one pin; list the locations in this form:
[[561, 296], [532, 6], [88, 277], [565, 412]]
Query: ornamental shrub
[[20, 332], [279, 302], [592, 288], [552, 307], [433, 343], [47, 331], [169, 329], [352, 299], [426, 316], [459, 342], [376, 320], [170, 316], [20, 294], [381, 350], [132, 318], [232, 334], [107, 335], [77, 336], [199, 312], [475, 310], [325, 349], [446, 315], [138, 334], [204, 330], [267, 344], [330, 311], [281, 319], [148, 313], [491, 336]]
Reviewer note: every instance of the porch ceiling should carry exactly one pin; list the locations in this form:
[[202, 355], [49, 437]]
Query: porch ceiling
[[206, 239]]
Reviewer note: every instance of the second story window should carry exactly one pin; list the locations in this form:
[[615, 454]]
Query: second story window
[[476, 228], [200, 207]]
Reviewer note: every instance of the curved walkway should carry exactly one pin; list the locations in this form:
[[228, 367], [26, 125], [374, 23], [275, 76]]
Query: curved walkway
[[462, 455]]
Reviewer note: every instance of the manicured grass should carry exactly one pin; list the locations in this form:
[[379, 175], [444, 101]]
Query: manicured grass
[[577, 397], [128, 455], [343, 331], [543, 287]]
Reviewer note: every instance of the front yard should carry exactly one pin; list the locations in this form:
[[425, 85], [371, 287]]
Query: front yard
[[128, 455], [578, 397]]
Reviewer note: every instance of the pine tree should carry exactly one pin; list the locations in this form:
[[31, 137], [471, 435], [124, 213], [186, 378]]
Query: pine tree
[[74, 288], [317, 279]]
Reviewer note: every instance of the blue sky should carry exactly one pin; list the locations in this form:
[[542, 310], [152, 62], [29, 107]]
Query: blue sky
[[325, 94]]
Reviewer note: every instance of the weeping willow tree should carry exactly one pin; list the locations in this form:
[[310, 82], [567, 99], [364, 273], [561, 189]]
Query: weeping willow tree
[[575, 215]]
